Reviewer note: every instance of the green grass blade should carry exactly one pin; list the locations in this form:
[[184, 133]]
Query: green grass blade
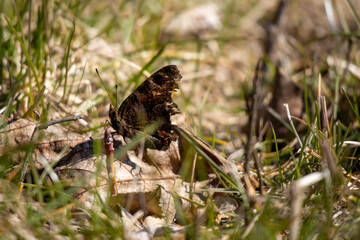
[[147, 65], [66, 59]]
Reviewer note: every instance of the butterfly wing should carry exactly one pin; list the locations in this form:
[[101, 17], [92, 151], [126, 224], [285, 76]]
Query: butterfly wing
[[150, 102]]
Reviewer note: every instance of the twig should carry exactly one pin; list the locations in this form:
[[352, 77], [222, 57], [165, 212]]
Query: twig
[[67, 119], [109, 149], [251, 137]]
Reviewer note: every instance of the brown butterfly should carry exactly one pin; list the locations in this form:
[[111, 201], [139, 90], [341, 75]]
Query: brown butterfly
[[150, 103]]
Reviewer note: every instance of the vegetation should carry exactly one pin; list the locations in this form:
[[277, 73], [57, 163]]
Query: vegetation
[[298, 165]]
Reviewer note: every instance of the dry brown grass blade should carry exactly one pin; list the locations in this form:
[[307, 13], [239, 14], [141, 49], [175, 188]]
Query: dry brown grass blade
[[330, 161], [297, 199], [206, 150], [109, 149]]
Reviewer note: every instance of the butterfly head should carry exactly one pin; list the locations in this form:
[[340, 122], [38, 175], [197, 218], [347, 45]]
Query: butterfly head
[[115, 119]]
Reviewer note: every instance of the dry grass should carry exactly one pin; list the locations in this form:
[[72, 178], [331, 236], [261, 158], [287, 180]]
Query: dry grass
[[49, 52]]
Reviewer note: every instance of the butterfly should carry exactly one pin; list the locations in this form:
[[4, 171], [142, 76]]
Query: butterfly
[[150, 103]]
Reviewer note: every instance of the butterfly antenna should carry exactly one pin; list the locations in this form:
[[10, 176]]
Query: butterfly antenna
[[107, 90]]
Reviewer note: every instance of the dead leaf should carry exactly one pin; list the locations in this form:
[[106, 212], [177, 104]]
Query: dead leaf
[[16, 134]]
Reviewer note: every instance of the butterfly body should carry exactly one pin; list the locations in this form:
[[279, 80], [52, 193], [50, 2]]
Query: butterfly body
[[150, 103]]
